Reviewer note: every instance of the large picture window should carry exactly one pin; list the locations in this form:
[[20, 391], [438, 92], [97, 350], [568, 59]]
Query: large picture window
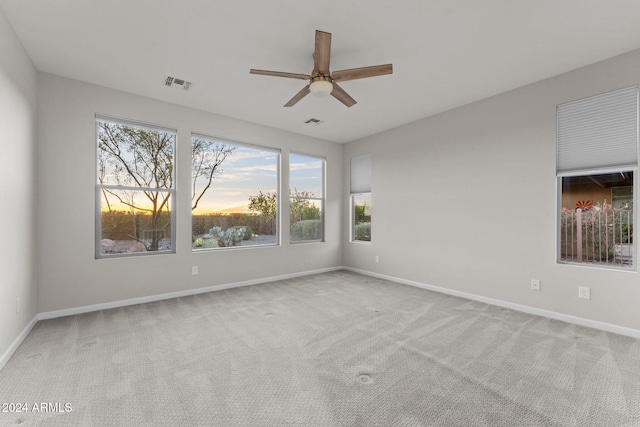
[[306, 198], [234, 194], [135, 188], [597, 153]]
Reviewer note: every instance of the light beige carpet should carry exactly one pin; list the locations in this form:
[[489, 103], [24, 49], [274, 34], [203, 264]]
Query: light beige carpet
[[333, 349]]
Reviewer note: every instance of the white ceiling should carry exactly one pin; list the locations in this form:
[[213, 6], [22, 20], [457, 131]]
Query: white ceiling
[[445, 53]]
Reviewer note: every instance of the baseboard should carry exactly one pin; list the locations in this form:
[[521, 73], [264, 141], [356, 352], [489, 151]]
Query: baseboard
[[151, 298], [603, 326], [16, 343]]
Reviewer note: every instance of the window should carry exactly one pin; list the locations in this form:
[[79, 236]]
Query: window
[[234, 199], [597, 153], [361, 198], [361, 220], [135, 188], [306, 198]]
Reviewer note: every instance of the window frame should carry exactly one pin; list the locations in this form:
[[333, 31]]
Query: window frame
[[100, 187], [352, 218], [322, 197], [559, 193], [585, 128], [360, 176], [277, 219]]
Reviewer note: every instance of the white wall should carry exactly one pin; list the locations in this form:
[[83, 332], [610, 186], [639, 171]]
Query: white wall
[[466, 200], [17, 191], [69, 274]]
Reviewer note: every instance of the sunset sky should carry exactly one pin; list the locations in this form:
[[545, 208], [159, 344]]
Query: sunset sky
[[248, 171], [244, 173]]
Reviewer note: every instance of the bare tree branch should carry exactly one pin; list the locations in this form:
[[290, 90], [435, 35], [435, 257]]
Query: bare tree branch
[[206, 158], [125, 202], [137, 157]]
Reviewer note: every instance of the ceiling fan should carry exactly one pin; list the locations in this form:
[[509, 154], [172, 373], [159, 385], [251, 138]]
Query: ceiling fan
[[323, 82]]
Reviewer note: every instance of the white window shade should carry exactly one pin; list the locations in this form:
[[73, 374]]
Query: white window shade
[[361, 174], [598, 132]]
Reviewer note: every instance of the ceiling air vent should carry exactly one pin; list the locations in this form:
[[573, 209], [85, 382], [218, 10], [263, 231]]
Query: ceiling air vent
[[315, 122], [174, 81]]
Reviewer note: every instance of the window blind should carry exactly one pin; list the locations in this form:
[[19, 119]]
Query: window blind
[[361, 174], [598, 132]]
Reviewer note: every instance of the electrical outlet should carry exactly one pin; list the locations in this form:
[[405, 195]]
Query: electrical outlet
[[584, 292], [535, 284], [194, 270], [377, 258]]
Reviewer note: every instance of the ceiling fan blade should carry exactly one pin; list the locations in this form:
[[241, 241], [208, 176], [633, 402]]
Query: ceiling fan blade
[[342, 96], [280, 74], [361, 73], [298, 96], [322, 53]]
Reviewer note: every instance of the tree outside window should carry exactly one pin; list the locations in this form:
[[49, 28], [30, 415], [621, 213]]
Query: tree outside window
[[306, 198], [234, 194], [135, 188], [361, 219]]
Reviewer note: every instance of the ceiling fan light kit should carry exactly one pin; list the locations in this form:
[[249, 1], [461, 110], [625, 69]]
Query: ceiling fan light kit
[[322, 81], [321, 87]]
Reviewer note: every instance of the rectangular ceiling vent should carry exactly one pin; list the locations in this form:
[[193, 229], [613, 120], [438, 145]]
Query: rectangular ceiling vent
[[315, 122], [174, 81]]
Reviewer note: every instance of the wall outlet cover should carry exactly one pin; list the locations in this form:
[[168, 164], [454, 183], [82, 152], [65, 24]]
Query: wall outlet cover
[[584, 292]]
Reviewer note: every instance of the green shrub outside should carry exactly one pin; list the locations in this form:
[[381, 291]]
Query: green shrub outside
[[363, 231], [206, 243], [203, 222], [307, 229], [248, 234], [360, 214]]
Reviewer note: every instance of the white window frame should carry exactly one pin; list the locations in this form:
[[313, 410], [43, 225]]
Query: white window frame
[[277, 219], [321, 198], [585, 173], [100, 187], [352, 218], [360, 184]]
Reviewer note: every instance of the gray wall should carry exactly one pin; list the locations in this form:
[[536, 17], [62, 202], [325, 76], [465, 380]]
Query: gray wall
[[466, 200], [17, 190], [71, 277]]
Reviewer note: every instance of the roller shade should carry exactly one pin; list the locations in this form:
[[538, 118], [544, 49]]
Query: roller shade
[[361, 174], [598, 132]]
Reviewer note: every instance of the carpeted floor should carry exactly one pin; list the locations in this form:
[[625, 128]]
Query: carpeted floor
[[333, 349]]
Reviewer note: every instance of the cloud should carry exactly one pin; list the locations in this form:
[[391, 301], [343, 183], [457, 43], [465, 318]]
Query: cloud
[[270, 168], [306, 165]]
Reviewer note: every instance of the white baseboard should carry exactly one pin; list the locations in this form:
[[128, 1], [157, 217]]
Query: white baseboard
[[178, 294], [141, 300], [16, 343], [603, 326]]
